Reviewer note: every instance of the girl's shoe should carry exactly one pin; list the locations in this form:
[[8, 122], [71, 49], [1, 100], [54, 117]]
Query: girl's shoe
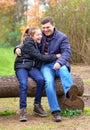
[[23, 116]]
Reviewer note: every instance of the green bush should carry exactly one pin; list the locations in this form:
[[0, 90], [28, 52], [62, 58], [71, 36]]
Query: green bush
[[14, 36]]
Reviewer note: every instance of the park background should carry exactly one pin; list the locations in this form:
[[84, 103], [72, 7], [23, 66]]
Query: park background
[[71, 17]]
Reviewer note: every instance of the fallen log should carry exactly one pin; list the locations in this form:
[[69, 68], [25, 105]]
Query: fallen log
[[9, 87]]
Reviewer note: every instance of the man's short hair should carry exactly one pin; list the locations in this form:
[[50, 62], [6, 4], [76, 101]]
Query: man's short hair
[[47, 20]]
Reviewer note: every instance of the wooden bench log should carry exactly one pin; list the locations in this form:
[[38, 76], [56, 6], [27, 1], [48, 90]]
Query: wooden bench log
[[9, 87]]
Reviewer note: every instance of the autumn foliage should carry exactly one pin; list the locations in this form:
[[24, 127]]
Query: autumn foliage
[[34, 14], [6, 5], [71, 17]]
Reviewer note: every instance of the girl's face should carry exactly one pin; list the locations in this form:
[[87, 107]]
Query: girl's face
[[37, 36]]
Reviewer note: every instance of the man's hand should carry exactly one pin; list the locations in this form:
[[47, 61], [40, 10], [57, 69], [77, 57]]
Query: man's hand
[[56, 66], [18, 51]]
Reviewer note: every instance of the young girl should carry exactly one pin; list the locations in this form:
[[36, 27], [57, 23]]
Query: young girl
[[27, 65]]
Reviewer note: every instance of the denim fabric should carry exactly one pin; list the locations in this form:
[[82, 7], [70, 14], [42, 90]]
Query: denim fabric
[[22, 75], [49, 73], [37, 76]]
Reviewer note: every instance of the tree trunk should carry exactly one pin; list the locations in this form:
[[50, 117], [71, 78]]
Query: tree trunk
[[9, 87]]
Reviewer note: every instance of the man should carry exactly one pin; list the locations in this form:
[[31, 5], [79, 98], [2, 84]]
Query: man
[[54, 42]]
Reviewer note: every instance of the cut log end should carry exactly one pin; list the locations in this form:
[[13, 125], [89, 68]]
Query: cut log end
[[66, 103]]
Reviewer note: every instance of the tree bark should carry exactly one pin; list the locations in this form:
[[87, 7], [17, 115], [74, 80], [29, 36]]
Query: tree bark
[[9, 87]]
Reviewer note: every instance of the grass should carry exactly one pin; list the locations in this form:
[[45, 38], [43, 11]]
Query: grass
[[10, 106], [7, 112], [86, 80], [70, 112], [87, 111], [7, 58]]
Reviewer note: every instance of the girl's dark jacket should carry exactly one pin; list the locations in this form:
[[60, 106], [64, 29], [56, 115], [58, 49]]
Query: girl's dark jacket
[[31, 56]]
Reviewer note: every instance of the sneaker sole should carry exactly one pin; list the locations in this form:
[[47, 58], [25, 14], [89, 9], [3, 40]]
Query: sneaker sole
[[23, 120], [40, 114], [73, 92], [57, 120]]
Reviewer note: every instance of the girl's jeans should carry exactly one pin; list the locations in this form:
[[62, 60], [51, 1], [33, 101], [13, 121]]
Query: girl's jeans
[[22, 75]]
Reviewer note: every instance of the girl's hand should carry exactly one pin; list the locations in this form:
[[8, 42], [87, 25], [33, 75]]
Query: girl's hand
[[58, 55], [18, 52]]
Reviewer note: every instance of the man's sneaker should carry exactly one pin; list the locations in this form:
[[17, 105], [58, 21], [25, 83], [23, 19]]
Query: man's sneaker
[[72, 93], [56, 115], [38, 109], [23, 115]]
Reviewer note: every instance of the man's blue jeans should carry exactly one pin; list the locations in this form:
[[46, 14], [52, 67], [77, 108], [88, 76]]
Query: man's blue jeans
[[49, 75], [22, 75]]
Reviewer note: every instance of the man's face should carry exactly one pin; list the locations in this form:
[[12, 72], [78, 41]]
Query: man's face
[[48, 29]]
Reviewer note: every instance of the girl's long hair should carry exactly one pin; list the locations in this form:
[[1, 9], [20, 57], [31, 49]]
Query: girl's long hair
[[25, 35], [30, 31]]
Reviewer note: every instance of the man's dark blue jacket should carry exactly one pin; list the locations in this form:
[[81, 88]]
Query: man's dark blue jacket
[[58, 43]]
